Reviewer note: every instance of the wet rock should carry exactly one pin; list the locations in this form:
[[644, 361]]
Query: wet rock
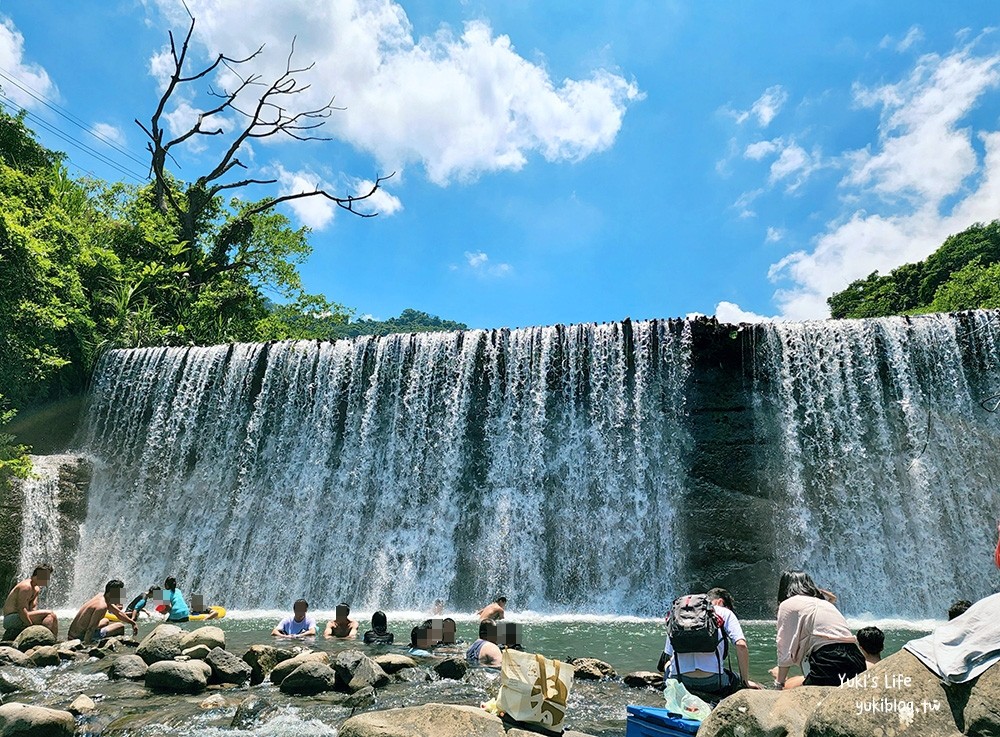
[[262, 659], [359, 699], [209, 636], [355, 670], [215, 701], [29, 721], [592, 669], [81, 705], [7, 685], [34, 636], [281, 670], [226, 667], [198, 652], [761, 712], [12, 656], [440, 720], [41, 657], [252, 710], [163, 643], [453, 668], [644, 679], [515, 732], [128, 668], [393, 663], [411, 675], [72, 645], [310, 678], [170, 676]]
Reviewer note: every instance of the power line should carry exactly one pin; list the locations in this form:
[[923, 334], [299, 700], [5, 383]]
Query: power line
[[59, 110]]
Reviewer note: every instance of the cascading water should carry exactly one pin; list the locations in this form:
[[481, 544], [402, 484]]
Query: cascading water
[[41, 533], [541, 463], [887, 471]]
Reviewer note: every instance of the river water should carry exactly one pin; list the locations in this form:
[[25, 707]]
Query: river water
[[628, 644]]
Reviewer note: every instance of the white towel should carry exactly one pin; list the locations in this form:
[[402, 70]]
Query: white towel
[[965, 647]]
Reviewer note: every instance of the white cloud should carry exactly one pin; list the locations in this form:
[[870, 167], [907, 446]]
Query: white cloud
[[774, 235], [745, 201], [758, 150], [109, 133], [479, 263], [923, 174], [766, 107], [459, 104], [733, 314], [913, 36], [793, 164], [313, 212], [27, 74], [381, 201]]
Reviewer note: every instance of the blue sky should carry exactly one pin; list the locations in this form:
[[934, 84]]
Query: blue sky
[[573, 162]]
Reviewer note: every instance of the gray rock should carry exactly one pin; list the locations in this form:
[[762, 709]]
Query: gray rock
[[262, 659], [227, 668], [12, 656], [355, 670], [170, 676], [592, 669], [281, 670], [7, 685], [253, 710], [35, 721], [34, 636], [198, 652], [128, 668], [644, 679], [411, 675], [163, 643], [440, 720], [209, 636], [309, 679], [41, 657], [82, 704], [453, 668], [215, 701], [393, 663]]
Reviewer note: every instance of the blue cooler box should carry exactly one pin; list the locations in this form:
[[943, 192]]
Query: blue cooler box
[[648, 721]]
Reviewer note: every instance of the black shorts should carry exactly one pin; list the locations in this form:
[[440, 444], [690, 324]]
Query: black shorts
[[831, 665]]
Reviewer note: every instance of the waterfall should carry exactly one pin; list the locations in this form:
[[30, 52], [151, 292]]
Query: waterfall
[[886, 473], [541, 463]]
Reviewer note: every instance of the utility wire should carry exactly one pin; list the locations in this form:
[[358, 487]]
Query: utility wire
[[59, 110]]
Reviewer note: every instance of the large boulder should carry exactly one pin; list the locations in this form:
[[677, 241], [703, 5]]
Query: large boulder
[[12, 656], [309, 679], [764, 713], [163, 643], [282, 669], [439, 720], [592, 669], [43, 656], [128, 668], [262, 659], [35, 721], [355, 671], [209, 636], [901, 697], [393, 662], [227, 668], [34, 636], [171, 676], [253, 710], [452, 668], [198, 652]]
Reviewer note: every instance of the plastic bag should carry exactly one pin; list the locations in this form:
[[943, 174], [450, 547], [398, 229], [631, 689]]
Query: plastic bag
[[681, 701]]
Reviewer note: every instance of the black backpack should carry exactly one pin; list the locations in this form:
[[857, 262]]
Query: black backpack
[[694, 627]]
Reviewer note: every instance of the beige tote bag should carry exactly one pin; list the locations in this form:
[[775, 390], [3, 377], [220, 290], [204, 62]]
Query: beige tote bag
[[534, 689]]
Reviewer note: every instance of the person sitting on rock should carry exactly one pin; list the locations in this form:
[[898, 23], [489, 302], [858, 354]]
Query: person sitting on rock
[[871, 640], [297, 625], [811, 629], [485, 650], [20, 609], [342, 627], [958, 608], [90, 623], [704, 671], [379, 633], [493, 611], [421, 642], [174, 605]]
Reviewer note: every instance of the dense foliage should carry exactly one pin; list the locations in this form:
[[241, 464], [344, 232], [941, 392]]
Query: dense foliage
[[963, 274]]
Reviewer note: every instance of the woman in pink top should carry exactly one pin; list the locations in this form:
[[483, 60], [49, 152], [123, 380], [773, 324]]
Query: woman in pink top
[[811, 629]]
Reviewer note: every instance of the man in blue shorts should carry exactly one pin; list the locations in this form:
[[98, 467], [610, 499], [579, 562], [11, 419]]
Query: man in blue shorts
[[90, 624]]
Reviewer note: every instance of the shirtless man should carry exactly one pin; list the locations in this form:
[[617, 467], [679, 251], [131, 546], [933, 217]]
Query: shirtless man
[[90, 624], [342, 627], [20, 609], [493, 611], [485, 651]]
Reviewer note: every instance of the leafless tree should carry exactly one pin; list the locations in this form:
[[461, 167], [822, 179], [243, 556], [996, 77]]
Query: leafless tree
[[271, 114]]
